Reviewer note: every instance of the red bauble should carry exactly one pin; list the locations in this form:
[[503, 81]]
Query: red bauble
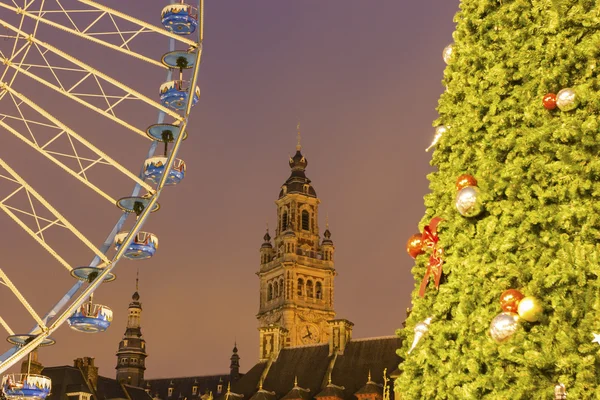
[[510, 299], [465, 180], [549, 101], [414, 246]]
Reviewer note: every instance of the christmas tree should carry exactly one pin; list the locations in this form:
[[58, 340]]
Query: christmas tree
[[506, 301]]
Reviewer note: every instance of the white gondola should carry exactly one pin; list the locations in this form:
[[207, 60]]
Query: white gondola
[[143, 245]]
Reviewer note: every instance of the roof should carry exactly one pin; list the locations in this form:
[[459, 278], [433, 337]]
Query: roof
[[184, 387], [311, 364], [332, 390], [295, 183], [371, 388], [68, 379]]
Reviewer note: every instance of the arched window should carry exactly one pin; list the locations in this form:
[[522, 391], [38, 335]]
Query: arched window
[[281, 288], [284, 221], [319, 291], [275, 290], [305, 220], [300, 287], [309, 289], [270, 292]]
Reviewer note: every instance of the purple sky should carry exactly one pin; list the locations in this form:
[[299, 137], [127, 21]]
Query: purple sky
[[363, 79]]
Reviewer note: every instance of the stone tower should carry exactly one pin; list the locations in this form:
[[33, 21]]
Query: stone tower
[[131, 356], [297, 272]]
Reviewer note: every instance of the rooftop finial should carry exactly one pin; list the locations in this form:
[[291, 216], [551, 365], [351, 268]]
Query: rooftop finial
[[327, 221], [298, 145], [369, 379], [296, 381], [228, 387], [137, 280], [260, 384]]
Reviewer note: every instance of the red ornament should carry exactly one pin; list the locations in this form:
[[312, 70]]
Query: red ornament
[[414, 246], [549, 101], [510, 299], [465, 180]]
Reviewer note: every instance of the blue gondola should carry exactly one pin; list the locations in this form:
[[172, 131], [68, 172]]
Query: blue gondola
[[91, 318], [154, 169], [174, 94], [143, 245], [26, 386], [181, 19]]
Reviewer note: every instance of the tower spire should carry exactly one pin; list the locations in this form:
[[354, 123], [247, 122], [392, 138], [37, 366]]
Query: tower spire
[[137, 280], [298, 145]]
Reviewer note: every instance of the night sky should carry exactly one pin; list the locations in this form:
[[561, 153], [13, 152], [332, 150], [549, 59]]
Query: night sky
[[361, 77]]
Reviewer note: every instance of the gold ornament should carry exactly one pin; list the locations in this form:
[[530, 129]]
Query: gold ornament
[[530, 309]]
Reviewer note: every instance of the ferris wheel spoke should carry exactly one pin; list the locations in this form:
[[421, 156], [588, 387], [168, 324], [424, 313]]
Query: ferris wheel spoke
[[5, 326], [83, 35], [7, 282], [64, 129], [90, 70], [155, 29], [32, 192], [31, 233]]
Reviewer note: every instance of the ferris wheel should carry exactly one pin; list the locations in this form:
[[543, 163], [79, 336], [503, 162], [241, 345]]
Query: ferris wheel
[[61, 96]]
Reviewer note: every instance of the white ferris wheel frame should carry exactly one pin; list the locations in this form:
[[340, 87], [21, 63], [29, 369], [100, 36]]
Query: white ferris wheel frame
[[59, 314]]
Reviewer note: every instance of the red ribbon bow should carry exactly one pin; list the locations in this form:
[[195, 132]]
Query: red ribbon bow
[[430, 239]]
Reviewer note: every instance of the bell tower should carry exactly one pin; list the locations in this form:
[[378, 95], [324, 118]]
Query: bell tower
[[131, 356], [296, 272]]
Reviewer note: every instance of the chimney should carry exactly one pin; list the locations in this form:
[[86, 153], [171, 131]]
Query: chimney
[[89, 370], [340, 333], [35, 367]]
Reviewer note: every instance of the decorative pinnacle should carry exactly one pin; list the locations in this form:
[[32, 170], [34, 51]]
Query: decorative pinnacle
[[369, 379], [137, 280], [327, 221], [298, 145], [228, 387], [296, 381], [260, 384]]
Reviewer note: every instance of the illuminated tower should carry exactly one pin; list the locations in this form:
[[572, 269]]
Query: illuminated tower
[[297, 272]]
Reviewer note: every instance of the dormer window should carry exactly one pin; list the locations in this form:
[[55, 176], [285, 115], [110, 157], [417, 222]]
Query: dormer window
[[219, 388], [305, 220], [170, 392], [194, 390], [305, 189]]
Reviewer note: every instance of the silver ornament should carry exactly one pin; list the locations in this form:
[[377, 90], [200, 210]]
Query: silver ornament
[[567, 99], [503, 326], [439, 132], [447, 53], [468, 201], [560, 392], [420, 330]]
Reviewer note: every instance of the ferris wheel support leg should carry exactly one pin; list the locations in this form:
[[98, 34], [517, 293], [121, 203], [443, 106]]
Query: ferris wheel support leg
[[22, 299]]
